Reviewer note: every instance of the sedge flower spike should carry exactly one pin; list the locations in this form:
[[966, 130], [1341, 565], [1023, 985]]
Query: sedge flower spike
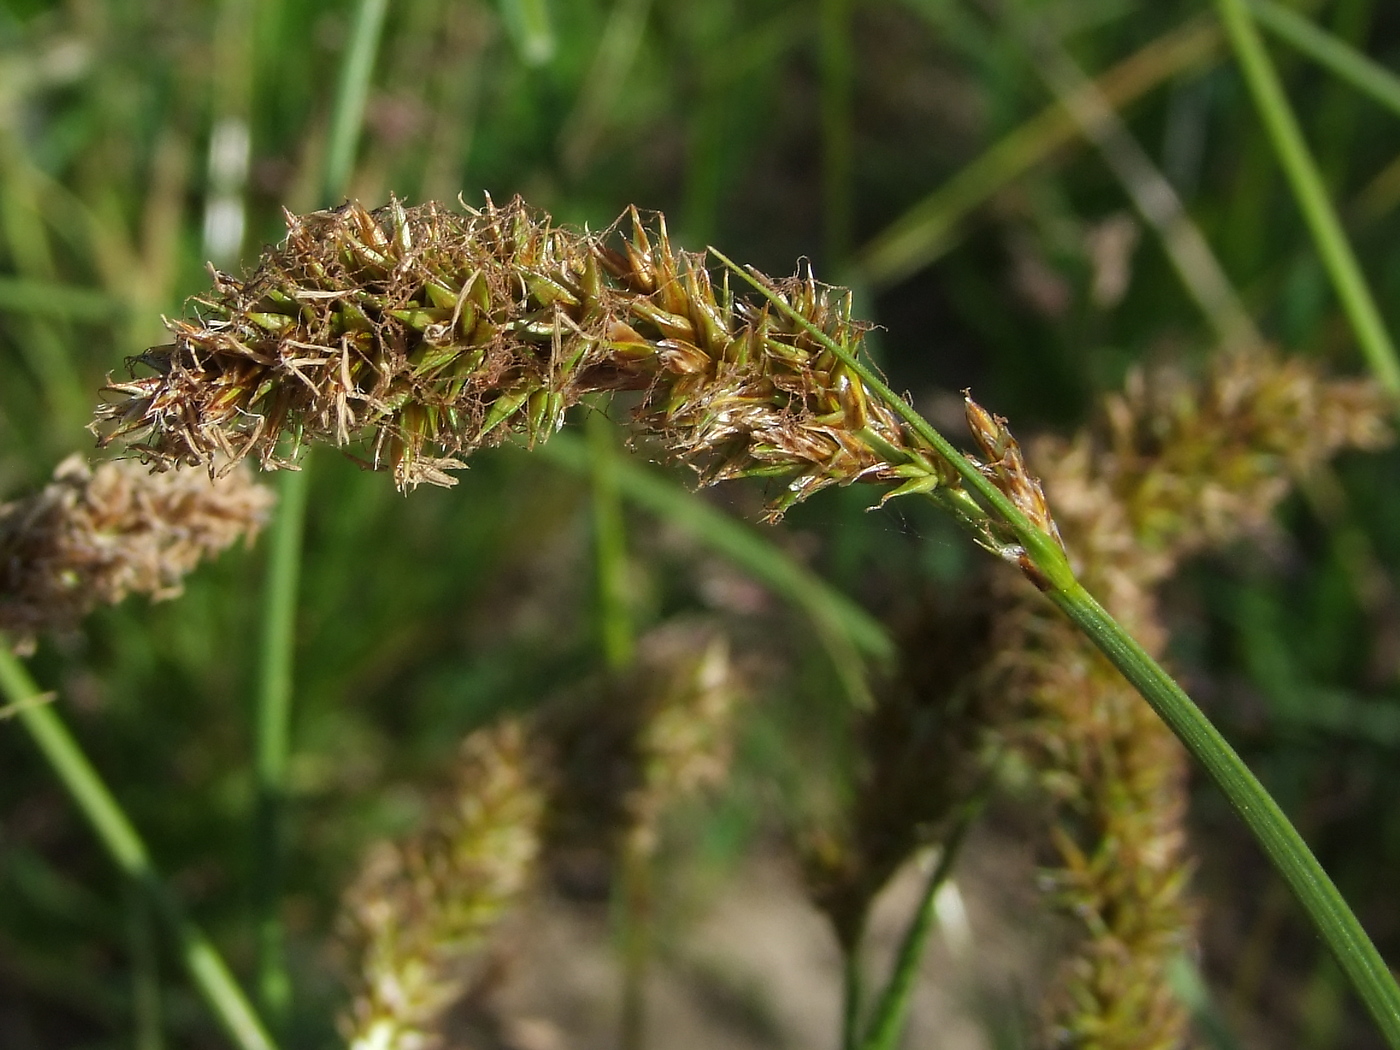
[[427, 334]]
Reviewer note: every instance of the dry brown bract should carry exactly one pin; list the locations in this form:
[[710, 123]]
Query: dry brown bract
[[92, 537]]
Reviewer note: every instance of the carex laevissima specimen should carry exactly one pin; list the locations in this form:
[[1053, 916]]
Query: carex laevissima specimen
[[427, 333]]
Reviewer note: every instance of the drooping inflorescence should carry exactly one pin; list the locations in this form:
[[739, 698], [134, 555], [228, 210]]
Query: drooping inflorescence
[[428, 334], [91, 537]]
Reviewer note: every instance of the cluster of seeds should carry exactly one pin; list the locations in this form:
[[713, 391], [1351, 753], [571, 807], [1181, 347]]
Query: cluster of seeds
[[426, 334], [91, 537]]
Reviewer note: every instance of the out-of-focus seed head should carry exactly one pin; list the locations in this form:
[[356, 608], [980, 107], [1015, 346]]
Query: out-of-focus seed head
[[421, 909], [427, 334], [92, 537]]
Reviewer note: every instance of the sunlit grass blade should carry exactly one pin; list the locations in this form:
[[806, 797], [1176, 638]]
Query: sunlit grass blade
[[1271, 828], [272, 718], [114, 830], [1336, 56], [531, 29], [1311, 195], [929, 228], [849, 634]]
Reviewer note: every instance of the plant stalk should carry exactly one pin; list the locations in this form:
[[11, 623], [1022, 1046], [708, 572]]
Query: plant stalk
[[1311, 195], [276, 671], [206, 968], [1330, 914], [887, 1024]]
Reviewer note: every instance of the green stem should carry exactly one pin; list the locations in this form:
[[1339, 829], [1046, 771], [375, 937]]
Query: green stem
[[846, 631], [1306, 182], [272, 737], [888, 1023], [1319, 897], [609, 546], [348, 114], [145, 971], [207, 970], [1290, 855], [276, 670], [1336, 56]]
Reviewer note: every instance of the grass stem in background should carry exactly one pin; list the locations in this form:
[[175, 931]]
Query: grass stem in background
[[1306, 182], [1290, 855], [1331, 53], [887, 1025], [1152, 195], [929, 228], [838, 146], [352, 91], [272, 734], [145, 971], [122, 843], [616, 55], [531, 29], [609, 546], [849, 634], [276, 668]]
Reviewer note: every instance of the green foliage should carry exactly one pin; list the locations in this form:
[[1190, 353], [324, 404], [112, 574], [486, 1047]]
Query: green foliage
[[942, 180]]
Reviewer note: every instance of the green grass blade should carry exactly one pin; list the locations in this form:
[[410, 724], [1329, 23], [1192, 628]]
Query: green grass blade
[[609, 546], [21, 295], [1315, 891], [1306, 182], [276, 666], [1290, 855], [847, 632], [887, 1024], [272, 735], [617, 54], [1155, 199], [929, 228], [117, 835], [348, 114], [1340, 59]]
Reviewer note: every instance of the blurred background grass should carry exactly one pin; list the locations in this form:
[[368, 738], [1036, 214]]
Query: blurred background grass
[[912, 149]]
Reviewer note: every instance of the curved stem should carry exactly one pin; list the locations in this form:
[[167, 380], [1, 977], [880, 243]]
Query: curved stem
[[1290, 855], [207, 970]]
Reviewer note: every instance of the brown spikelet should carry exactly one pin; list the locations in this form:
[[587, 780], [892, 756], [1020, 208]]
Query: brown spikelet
[[427, 334], [1176, 467], [421, 910], [92, 537]]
